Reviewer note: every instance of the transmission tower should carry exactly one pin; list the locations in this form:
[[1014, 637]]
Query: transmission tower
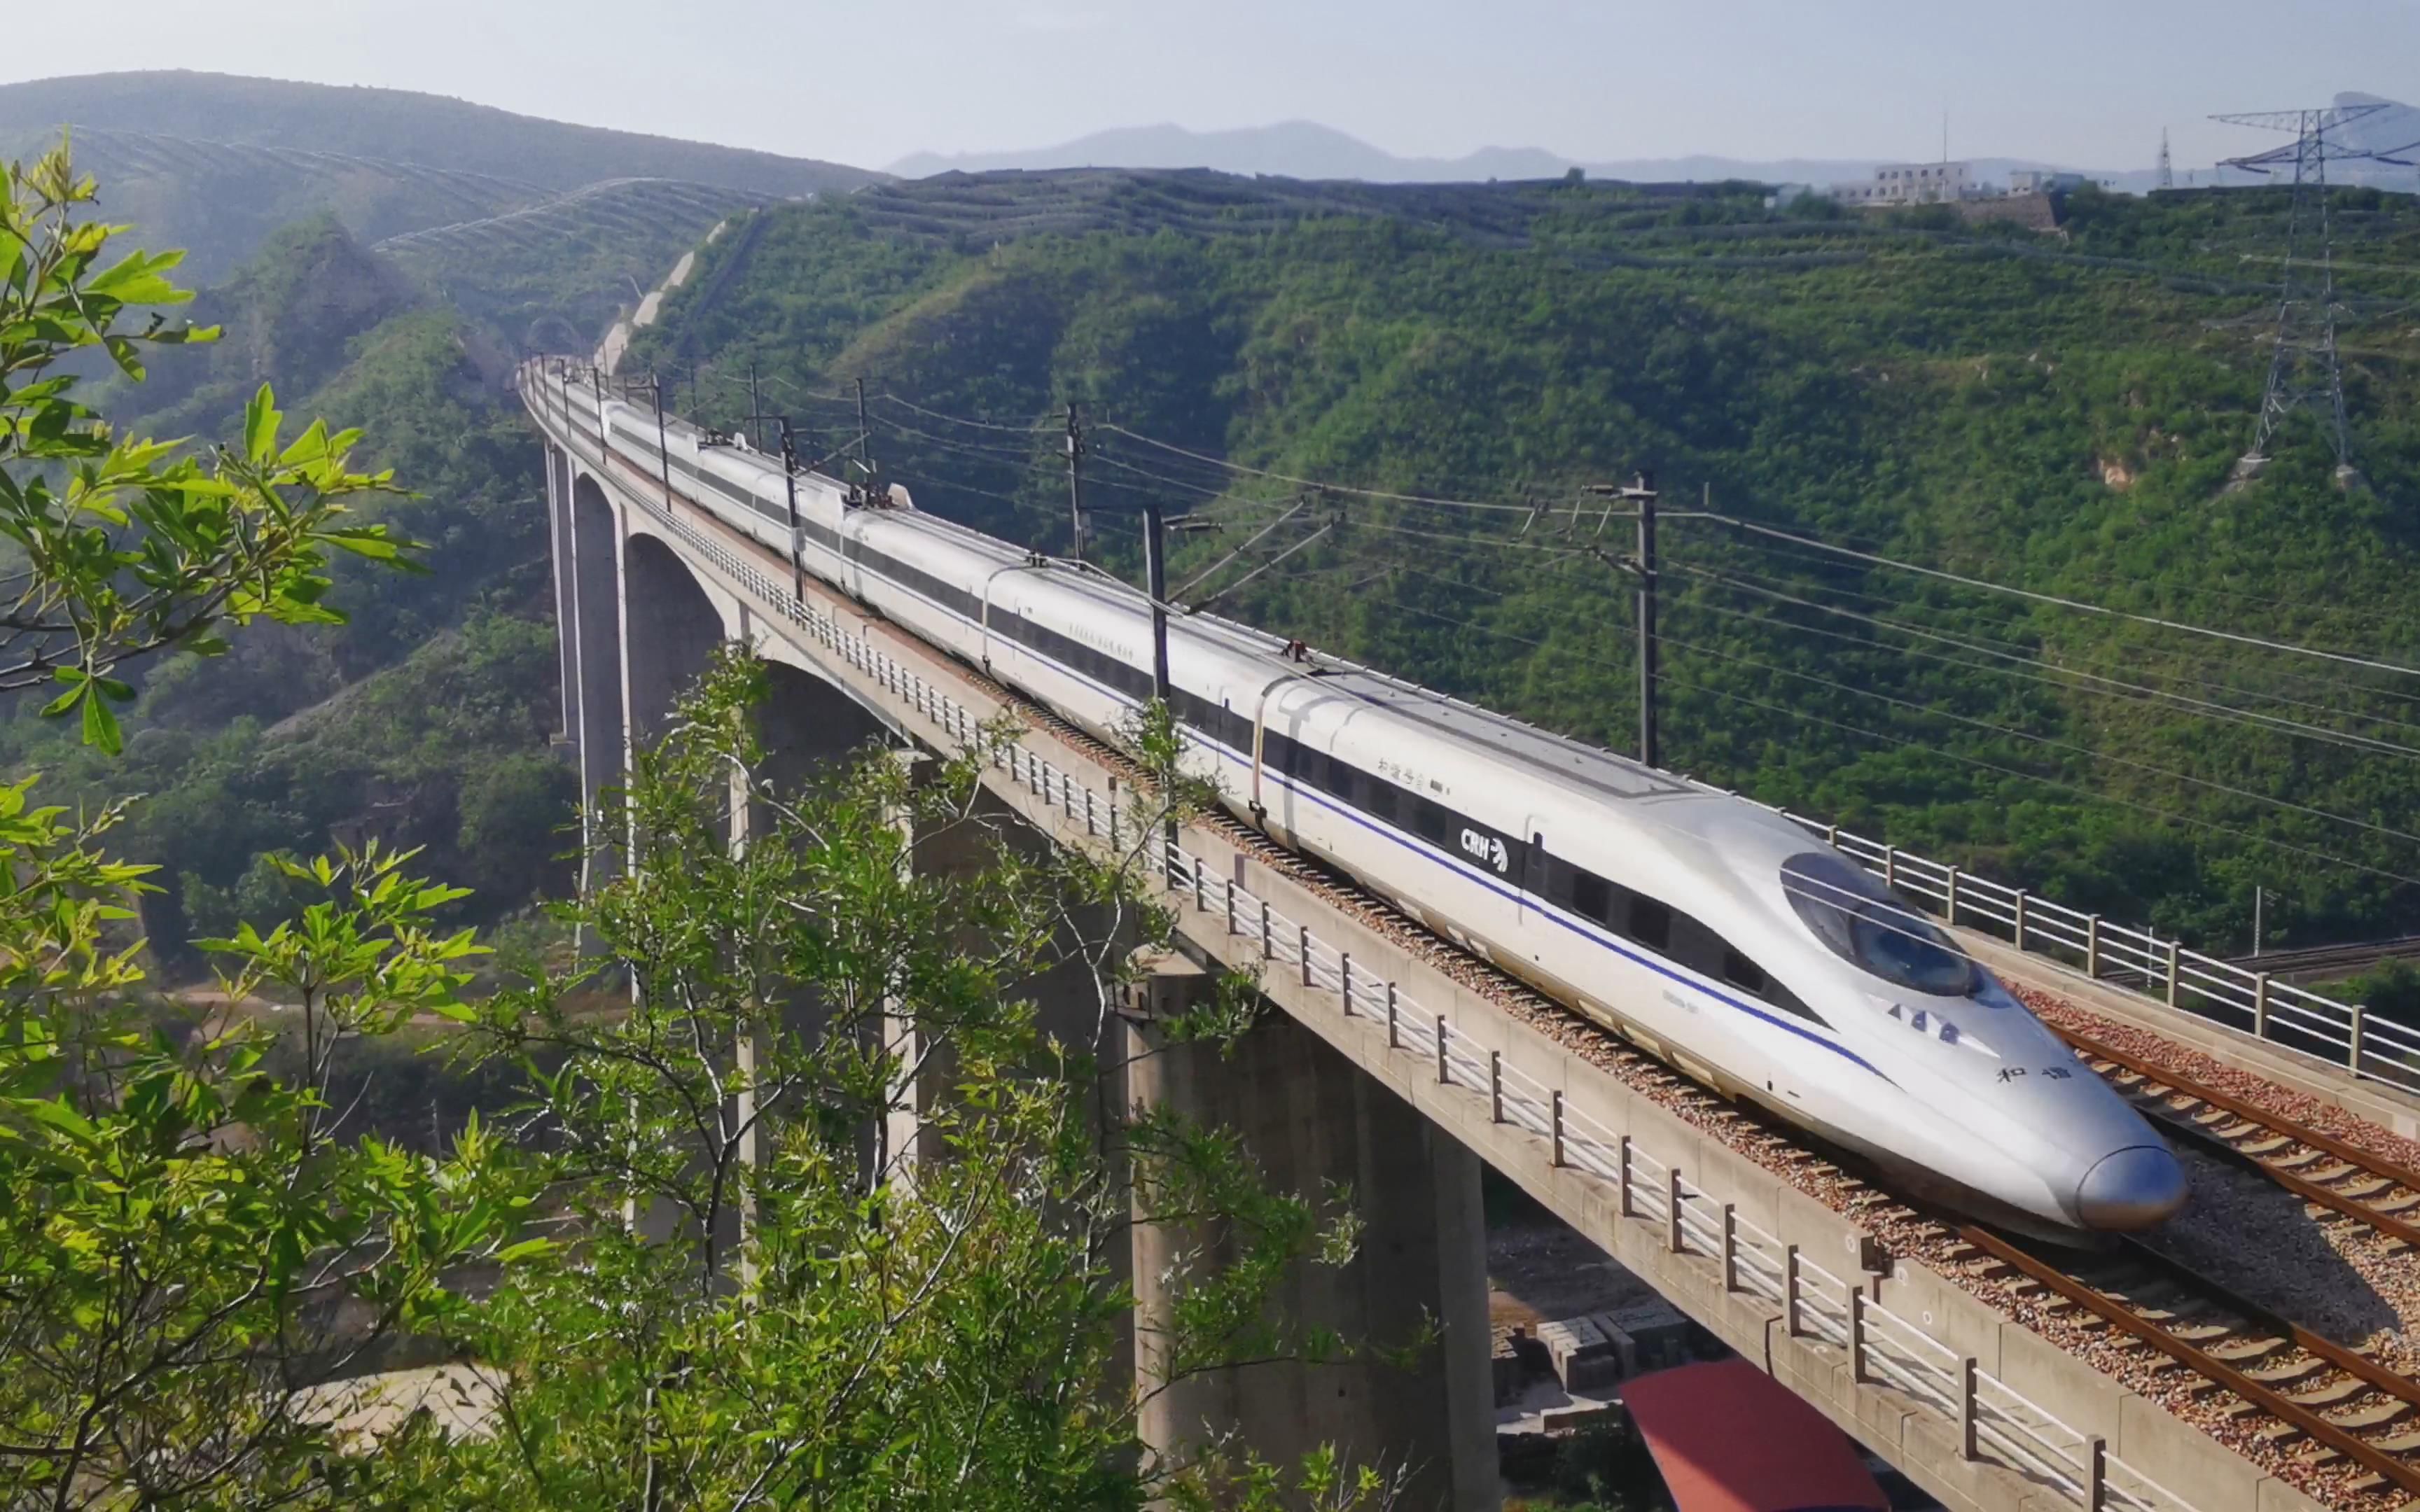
[[2167, 171], [2304, 369]]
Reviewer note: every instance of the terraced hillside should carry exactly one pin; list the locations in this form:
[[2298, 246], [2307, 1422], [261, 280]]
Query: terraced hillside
[[494, 205], [2058, 411], [398, 124]]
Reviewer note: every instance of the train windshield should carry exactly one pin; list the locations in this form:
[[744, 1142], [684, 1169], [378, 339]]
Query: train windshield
[[1863, 925]]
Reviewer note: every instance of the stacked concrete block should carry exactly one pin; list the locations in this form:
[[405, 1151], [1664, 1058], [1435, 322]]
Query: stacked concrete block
[[1584, 1357], [1510, 1370], [1645, 1335]]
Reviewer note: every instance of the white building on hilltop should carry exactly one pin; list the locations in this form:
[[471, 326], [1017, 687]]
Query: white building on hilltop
[[1910, 183], [2050, 181]]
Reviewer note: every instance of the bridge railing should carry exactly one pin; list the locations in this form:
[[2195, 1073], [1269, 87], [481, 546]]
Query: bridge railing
[[1999, 1424], [2346, 1034]]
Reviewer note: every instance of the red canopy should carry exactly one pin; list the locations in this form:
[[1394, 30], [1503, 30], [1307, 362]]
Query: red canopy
[[1729, 1437]]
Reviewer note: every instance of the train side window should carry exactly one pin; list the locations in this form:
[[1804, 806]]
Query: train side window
[[1430, 820], [1591, 896], [1340, 778], [1650, 923], [1380, 800]]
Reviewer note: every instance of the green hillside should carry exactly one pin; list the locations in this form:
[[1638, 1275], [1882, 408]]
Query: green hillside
[[397, 126], [536, 229], [424, 719], [2057, 411]]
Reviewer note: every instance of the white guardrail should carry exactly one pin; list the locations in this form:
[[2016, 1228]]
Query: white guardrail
[[2346, 1034], [1995, 1423]]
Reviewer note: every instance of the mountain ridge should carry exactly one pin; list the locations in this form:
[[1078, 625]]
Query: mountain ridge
[[440, 131], [1310, 150]]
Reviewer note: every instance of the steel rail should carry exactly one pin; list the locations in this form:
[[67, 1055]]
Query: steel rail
[[2350, 1361], [2309, 1190], [2127, 1320]]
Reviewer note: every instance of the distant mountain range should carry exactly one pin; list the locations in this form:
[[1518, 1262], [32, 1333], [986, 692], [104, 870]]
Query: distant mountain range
[[1305, 149]]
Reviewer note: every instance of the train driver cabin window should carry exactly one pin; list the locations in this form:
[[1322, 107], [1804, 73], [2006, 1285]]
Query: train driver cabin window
[[1742, 972]]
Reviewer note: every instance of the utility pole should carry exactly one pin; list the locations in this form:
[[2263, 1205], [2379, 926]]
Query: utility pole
[[2168, 168], [755, 406], [1075, 479], [694, 410], [2258, 899]]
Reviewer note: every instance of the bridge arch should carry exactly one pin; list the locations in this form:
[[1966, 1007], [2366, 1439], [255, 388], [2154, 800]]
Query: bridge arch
[[671, 627]]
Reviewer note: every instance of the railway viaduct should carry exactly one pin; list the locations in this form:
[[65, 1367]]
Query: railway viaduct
[[1395, 1066]]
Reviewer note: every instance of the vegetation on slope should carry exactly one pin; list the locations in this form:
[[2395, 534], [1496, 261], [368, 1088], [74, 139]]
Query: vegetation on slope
[[397, 126], [421, 720], [2060, 413]]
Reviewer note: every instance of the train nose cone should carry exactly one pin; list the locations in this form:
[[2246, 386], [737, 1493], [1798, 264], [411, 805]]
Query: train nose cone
[[2134, 1188]]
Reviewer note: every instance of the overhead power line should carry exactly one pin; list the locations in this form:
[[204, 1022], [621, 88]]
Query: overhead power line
[[2077, 604], [1313, 483], [2073, 679], [2311, 680]]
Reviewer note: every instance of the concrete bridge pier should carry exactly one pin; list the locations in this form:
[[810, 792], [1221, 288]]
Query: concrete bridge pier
[[1313, 1121], [595, 721]]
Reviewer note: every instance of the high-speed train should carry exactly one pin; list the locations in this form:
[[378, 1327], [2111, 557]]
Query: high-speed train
[[1716, 935]]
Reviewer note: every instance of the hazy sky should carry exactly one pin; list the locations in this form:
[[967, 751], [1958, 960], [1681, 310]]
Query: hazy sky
[[2087, 82]]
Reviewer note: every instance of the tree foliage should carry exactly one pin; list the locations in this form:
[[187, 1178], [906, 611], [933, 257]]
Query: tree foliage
[[689, 1262], [127, 545]]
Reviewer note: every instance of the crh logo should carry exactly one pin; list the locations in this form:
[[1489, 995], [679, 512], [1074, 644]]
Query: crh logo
[[1488, 848]]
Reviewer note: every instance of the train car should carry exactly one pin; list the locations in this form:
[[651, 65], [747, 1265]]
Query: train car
[[1716, 934]]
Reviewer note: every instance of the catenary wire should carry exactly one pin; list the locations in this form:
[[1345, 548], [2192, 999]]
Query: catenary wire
[[1979, 641], [1313, 483], [2085, 792], [2065, 678]]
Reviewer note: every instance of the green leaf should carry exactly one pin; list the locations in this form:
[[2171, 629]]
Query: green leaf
[[100, 727], [371, 540], [260, 422]]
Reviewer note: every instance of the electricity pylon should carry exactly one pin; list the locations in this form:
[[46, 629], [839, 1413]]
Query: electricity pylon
[[2304, 368]]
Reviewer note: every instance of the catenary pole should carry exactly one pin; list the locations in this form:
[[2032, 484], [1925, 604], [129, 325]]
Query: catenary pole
[[798, 541], [1155, 546], [1076, 480], [663, 447], [1649, 750], [864, 435]]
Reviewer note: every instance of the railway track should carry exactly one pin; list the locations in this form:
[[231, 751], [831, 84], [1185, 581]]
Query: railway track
[[2339, 1178], [2350, 1417], [2329, 959]]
